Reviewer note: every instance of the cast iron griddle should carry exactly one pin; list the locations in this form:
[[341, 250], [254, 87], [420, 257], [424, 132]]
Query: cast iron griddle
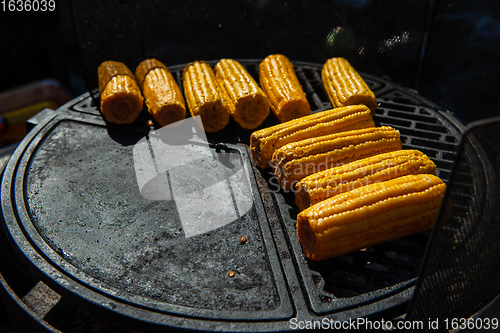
[[73, 209]]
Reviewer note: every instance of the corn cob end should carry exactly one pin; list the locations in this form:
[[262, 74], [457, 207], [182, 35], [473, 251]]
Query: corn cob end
[[255, 148], [302, 197], [169, 114], [293, 110], [121, 100], [251, 111], [214, 115], [307, 238]]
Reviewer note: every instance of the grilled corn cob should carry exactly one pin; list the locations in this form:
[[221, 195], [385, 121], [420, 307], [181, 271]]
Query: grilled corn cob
[[345, 86], [327, 183], [204, 96], [121, 98], [161, 92], [264, 142], [282, 88], [297, 160], [246, 101], [370, 215]]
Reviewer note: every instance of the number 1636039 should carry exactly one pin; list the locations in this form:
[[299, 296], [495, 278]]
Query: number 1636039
[[28, 5]]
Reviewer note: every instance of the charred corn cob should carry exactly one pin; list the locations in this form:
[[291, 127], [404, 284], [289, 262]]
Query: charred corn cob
[[327, 183], [345, 86], [246, 101], [204, 96], [297, 160], [282, 88], [121, 98], [161, 92], [264, 142], [370, 215]]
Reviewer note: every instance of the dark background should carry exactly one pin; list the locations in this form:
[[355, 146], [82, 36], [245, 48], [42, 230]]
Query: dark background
[[448, 50]]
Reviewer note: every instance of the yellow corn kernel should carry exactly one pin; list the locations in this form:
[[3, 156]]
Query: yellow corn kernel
[[327, 183], [264, 142], [246, 101], [282, 88], [370, 215], [297, 160], [161, 92], [204, 96], [345, 86], [121, 98]]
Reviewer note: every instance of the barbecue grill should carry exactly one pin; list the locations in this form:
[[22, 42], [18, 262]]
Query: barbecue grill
[[73, 213], [46, 190]]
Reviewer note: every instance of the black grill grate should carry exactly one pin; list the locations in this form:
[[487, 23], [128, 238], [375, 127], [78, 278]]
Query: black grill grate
[[376, 272], [460, 274]]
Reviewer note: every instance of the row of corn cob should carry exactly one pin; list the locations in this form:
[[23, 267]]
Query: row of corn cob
[[352, 181], [214, 95], [355, 187], [227, 90]]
